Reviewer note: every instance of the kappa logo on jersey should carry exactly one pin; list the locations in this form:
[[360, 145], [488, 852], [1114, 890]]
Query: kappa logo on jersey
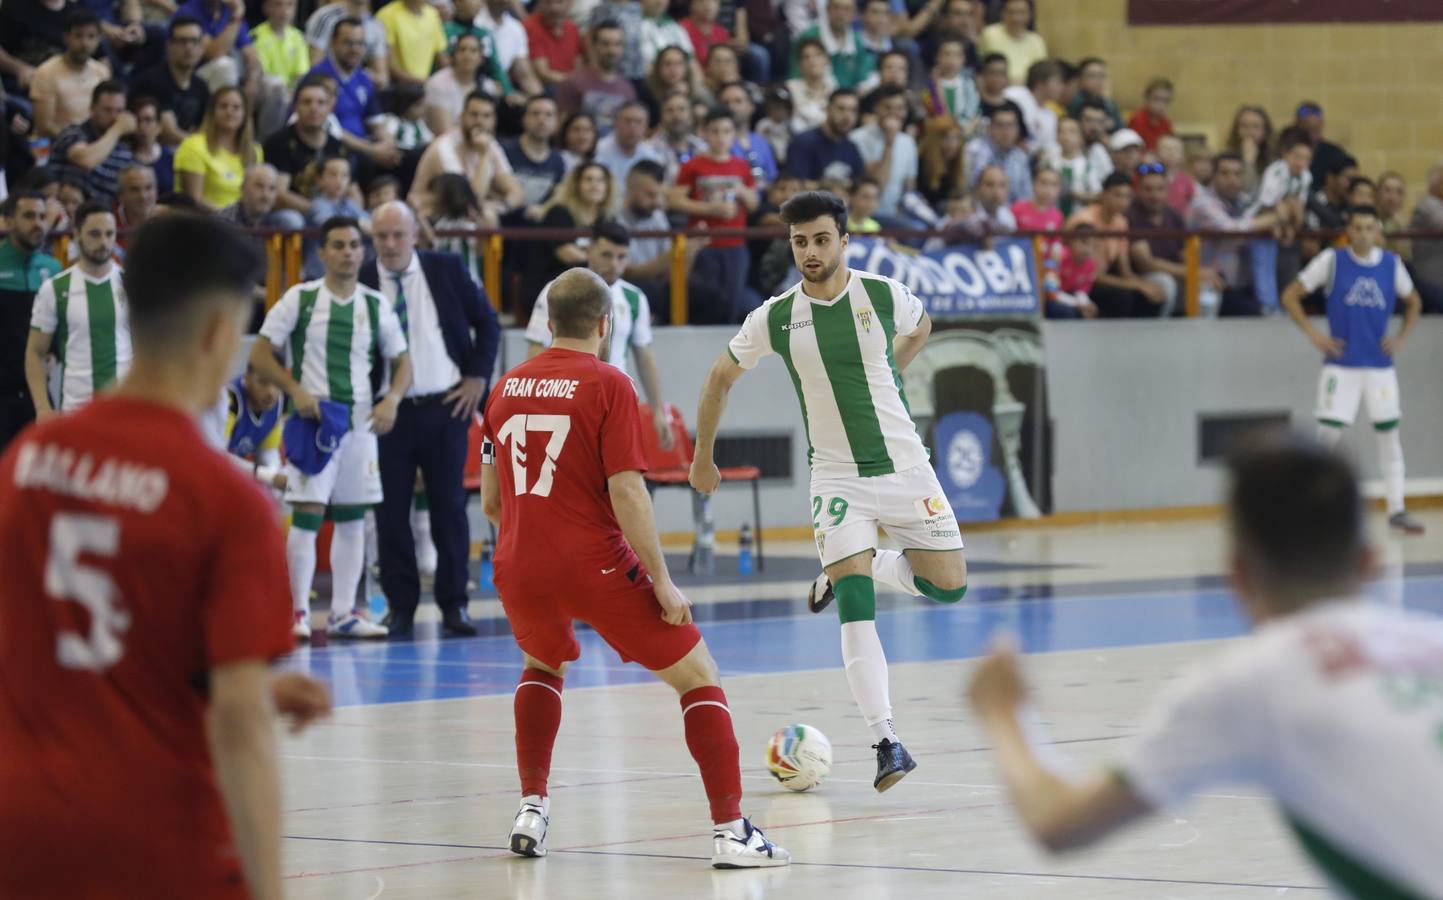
[[793, 326], [1366, 293], [866, 316]]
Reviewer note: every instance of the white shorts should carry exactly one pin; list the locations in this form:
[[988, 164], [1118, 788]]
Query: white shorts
[[1342, 388], [351, 478], [910, 505]]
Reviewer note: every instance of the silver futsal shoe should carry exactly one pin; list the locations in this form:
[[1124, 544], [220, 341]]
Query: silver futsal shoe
[[528, 832], [749, 850], [820, 595]]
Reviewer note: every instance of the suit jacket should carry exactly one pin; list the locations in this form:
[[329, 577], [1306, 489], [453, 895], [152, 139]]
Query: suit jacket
[[469, 325]]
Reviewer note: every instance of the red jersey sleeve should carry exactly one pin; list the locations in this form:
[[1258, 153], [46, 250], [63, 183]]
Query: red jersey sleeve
[[748, 178], [686, 177], [247, 613], [622, 447]]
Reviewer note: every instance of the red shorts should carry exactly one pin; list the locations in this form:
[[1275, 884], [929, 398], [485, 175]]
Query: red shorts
[[625, 614]]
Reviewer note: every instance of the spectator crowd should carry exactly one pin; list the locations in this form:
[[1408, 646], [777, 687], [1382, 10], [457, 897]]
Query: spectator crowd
[[703, 114]]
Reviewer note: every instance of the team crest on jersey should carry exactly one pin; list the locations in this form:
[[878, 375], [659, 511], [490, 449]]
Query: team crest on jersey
[[866, 316]]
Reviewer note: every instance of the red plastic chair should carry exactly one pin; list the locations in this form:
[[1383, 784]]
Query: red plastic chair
[[672, 468]]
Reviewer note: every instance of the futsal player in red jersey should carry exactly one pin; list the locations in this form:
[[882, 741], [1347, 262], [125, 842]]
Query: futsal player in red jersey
[[145, 594], [561, 477]]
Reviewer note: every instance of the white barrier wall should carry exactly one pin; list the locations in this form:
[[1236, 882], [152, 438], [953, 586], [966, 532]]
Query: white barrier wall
[[1126, 400]]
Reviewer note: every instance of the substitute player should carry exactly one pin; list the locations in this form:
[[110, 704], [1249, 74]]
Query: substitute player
[[335, 331], [606, 255], [1363, 283], [1334, 705], [81, 316], [561, 477], [144, 596], [845, 338]]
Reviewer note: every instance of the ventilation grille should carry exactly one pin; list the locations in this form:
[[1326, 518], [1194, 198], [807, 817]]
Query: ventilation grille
[[772, 453]]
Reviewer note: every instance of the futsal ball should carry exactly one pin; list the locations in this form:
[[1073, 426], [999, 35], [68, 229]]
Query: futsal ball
[[799, 756]]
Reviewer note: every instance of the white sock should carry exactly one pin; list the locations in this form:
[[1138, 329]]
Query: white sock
[[301, 558], [867, 676], [735, 826], [1329, 435], [891, 569], [348, 558], [1390, 461]]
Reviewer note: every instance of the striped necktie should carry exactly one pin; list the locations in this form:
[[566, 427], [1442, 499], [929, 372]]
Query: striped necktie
[[401, 301]]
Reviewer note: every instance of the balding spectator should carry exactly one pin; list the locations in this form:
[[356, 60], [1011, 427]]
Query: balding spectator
[[992, 213], [599, 89], [1222, 206], [825, 152], [1428, 254], [137, 198], [1118, 291], [256, 208], [62, 84], [96, 150], [1012, 38], [24, 266], [998, 147], [181, 95]]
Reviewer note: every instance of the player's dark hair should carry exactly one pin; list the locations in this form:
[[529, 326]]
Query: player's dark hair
[[577, 300], [182, 21], [1115, 179], [178, 265], [80, 18], [717, 114], [612, 231], [336, 223], [1297, 520], [810, 205], [88, 209]]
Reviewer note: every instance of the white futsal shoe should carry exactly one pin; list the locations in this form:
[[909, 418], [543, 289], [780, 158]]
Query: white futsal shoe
[[528, 832], [748, 850], [356, 625]]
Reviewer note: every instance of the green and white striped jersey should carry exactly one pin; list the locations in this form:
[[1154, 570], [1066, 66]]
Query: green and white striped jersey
[[91, 323], [839, 354], [630, 323], [332, 344]]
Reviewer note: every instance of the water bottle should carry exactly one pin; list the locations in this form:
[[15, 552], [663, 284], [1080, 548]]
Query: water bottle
[[744, 550], [703, 551], [485, 581]]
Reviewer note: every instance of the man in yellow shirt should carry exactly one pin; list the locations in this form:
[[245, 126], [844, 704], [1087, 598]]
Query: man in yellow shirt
[[416, 38], [1012, 39], [284, 58]]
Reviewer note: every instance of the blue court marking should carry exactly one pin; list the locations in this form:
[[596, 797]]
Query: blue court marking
[[762, 641]]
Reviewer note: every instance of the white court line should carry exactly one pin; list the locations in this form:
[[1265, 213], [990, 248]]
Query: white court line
[[995, 788]]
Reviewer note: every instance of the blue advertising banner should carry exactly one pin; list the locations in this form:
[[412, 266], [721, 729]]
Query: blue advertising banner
[[960, 280]]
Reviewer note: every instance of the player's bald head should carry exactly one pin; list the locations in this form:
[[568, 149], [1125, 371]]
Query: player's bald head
[[578, 299]]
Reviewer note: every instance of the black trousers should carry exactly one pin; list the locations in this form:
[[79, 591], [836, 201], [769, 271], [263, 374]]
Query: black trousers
[[429, 438], [16, 411]]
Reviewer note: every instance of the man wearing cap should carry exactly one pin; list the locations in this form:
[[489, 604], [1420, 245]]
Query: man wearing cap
[[1325, 153], [1125, 146], [333, 332]]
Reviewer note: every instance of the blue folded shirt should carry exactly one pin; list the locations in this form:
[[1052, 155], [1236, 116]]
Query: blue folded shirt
[[310, 442]]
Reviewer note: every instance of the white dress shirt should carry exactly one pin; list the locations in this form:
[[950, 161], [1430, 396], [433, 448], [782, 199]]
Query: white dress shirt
[[432, 369]]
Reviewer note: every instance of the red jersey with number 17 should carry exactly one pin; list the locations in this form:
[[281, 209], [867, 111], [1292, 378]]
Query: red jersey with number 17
[[135, 559], [559, 426]]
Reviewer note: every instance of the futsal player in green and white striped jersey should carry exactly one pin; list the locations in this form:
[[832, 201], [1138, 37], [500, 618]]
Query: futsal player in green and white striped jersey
[[80, 315], [334, 332], [845, 337]]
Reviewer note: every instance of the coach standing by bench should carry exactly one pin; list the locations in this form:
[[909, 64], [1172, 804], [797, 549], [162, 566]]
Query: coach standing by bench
[[453, 335]]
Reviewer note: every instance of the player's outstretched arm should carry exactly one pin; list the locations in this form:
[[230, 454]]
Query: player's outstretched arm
[[632, 504], [905, 347], [724, 373], [1061, 814], [242, 744]]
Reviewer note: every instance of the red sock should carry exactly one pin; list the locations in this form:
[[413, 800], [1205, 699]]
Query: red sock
[[538, 715], [713, 744]]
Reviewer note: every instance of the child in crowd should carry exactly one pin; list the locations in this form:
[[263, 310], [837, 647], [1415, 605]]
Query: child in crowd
[[1081, 180], [1076, 268], [457, 210], [776, 125], [1200, 166], [404, 121], [1151, 121], [332, 199], [1180, 184], [866, 196], [1040, 212], [1282, 190], [253, 427], [382, 189], [956, 210]]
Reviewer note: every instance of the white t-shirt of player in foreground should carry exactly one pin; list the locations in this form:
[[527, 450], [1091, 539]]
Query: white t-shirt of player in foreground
[[1337, 712]]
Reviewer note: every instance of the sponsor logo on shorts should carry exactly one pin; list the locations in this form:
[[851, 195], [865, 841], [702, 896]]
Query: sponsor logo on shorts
[[821, 543], [934, 506], [954, 533]]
